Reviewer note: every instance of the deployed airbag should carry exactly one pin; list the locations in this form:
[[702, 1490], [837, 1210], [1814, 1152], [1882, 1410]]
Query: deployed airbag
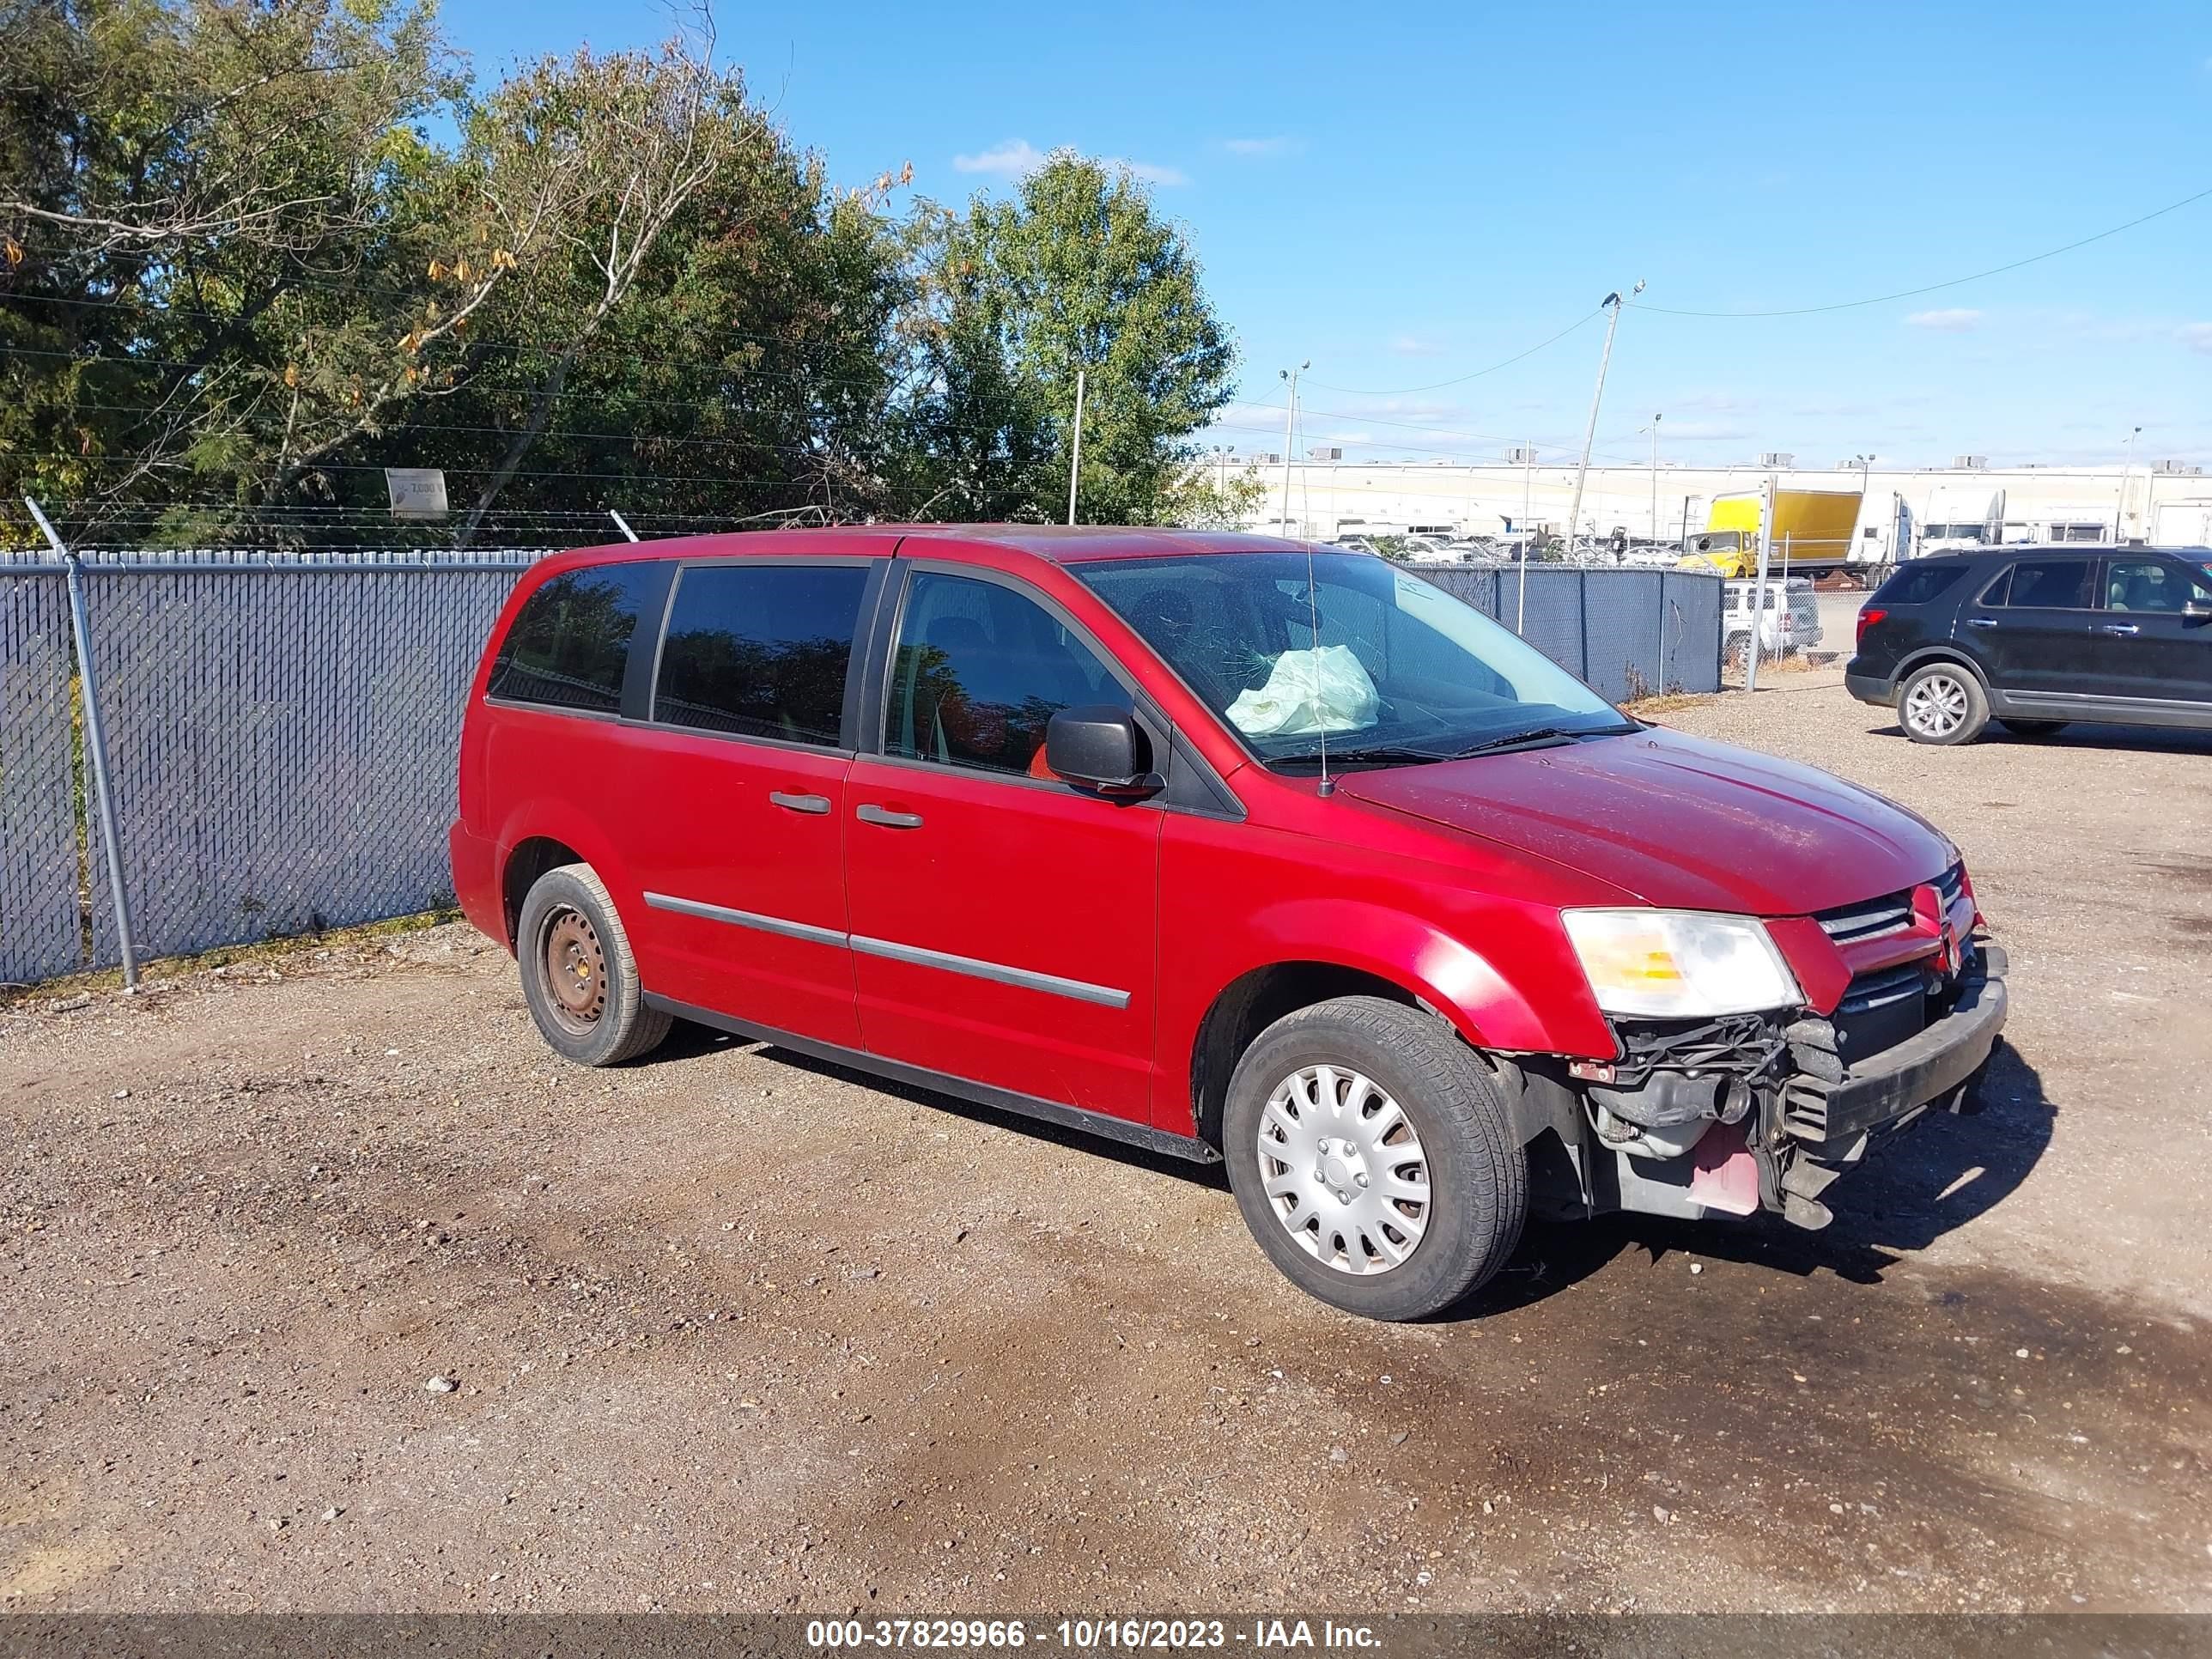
[[1324, 689]]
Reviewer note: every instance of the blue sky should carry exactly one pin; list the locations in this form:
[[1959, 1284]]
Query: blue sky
[[1407, 194]]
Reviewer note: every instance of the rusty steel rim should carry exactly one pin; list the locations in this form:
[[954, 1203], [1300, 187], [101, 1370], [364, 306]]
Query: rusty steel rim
[[575, 968]]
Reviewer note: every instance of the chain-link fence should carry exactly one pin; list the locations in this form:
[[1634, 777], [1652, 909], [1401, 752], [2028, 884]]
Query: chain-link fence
[[41, 824], [281, 733], [1628, 634]]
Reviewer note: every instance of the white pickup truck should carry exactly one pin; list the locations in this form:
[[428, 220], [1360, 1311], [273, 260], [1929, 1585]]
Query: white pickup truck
[[1792, 622]]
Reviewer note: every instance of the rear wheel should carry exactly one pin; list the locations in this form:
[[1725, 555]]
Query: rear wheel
[[1942, 703], [578, 978], [1372, 1158], [2033, 728]]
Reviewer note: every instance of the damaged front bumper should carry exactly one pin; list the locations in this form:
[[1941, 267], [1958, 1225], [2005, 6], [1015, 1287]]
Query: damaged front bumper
[[1754, 1114], [1820, 1127], [1829, 1117]]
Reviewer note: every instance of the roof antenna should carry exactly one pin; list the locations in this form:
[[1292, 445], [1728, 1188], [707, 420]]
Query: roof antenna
[[1327, 786]]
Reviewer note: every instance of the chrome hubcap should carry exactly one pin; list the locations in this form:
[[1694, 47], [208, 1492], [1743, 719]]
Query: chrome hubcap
[[1343, 1169], [1937, 706]]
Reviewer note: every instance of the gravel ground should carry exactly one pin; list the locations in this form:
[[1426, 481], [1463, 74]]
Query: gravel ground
[[724, 1330]]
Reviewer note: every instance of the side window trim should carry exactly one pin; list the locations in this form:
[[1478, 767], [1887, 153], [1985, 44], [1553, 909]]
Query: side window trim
[[880, 735], [2088, 595], [659, 574], [1193, 785], [870, 593], [642, 671]]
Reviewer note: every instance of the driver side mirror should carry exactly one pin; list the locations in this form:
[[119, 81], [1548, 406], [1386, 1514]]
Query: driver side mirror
[[2196, 610], [1101, 749]]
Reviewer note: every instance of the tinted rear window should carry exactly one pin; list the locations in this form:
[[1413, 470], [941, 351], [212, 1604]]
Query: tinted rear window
[[570, 644], [760, 650], [1918, 584], [2048, 584]]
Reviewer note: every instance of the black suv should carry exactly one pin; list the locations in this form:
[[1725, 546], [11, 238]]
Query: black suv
[[2038, 637]]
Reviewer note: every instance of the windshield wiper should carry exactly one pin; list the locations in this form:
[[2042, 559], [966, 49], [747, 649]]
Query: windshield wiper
[[1540, 737], [1381, 752]]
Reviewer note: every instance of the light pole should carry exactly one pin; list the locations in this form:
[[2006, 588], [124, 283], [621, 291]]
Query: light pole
[[1866, 472], [2120, 506], [1654, 430], [1075, 455], [1589, 434], [1289, 430]]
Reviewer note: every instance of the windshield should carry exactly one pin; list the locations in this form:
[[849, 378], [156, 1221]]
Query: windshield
[[1402, 671]]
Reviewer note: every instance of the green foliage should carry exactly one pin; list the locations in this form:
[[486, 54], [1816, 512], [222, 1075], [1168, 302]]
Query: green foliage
[[1078, 272], [240, 274]]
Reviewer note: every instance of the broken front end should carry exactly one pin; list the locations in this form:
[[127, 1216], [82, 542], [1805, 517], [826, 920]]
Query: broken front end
[[1904, 1002]]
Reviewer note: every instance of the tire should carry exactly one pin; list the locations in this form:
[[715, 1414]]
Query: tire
[[596, 1015], [2033, 728], [1942, 703], [1447, 1244], [1737, 657]]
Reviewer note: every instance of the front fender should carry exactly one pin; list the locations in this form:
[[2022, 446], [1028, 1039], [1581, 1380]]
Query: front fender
[[1521, 992]]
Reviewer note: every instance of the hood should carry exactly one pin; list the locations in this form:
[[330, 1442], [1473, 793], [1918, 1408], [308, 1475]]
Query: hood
[[1677, 821]]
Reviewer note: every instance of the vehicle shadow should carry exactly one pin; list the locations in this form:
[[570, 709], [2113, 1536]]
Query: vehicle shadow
[[1935, 1177], [687, 1040], [2135, 739]]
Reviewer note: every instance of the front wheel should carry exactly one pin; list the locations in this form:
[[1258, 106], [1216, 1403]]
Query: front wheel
[[1372, 1157], [1942, 703]]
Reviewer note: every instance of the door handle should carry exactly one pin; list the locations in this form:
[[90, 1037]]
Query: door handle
[[869, 812], [1981, 622], [2120, 627], [816, 805]]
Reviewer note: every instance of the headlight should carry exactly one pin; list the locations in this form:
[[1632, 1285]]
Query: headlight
[[1679, 965]]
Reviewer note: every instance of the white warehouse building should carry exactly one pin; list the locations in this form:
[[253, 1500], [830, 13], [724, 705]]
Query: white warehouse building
[[2167, 503]]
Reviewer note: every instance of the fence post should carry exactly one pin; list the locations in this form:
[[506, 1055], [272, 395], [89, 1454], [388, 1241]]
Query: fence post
[[95, 747]]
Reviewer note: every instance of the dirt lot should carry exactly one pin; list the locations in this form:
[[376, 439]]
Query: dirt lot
[[733, 1331]]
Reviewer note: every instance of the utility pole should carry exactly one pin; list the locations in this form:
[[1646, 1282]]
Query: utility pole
[[1075, 456], [1759, 587], [1589, 434], [1528, 531], [1290, 432], [1654, 430], [2120, 506]]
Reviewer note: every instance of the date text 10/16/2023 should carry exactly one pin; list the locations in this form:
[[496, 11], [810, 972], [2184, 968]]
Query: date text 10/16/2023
[[1084, 1635]]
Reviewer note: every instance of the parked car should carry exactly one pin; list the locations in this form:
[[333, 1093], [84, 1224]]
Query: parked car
[[2036, 637], [1791, 621], [1220, 846]]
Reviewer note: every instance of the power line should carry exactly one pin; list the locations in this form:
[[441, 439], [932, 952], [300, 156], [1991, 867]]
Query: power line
[[1438, 385], [162, 308], [1955, 281]]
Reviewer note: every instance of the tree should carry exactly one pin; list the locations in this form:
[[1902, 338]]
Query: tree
[[202, 216], [1078, 272]]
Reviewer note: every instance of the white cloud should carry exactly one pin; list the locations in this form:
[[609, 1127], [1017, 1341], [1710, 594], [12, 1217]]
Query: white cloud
[[2197, 336], [1955, 320], [1153, 172], [1017, 158], [1411, 345], [1010, 160], [1257, 147]]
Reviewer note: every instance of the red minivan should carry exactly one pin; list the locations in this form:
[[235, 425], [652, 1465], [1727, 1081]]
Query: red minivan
[[1229, 847]]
